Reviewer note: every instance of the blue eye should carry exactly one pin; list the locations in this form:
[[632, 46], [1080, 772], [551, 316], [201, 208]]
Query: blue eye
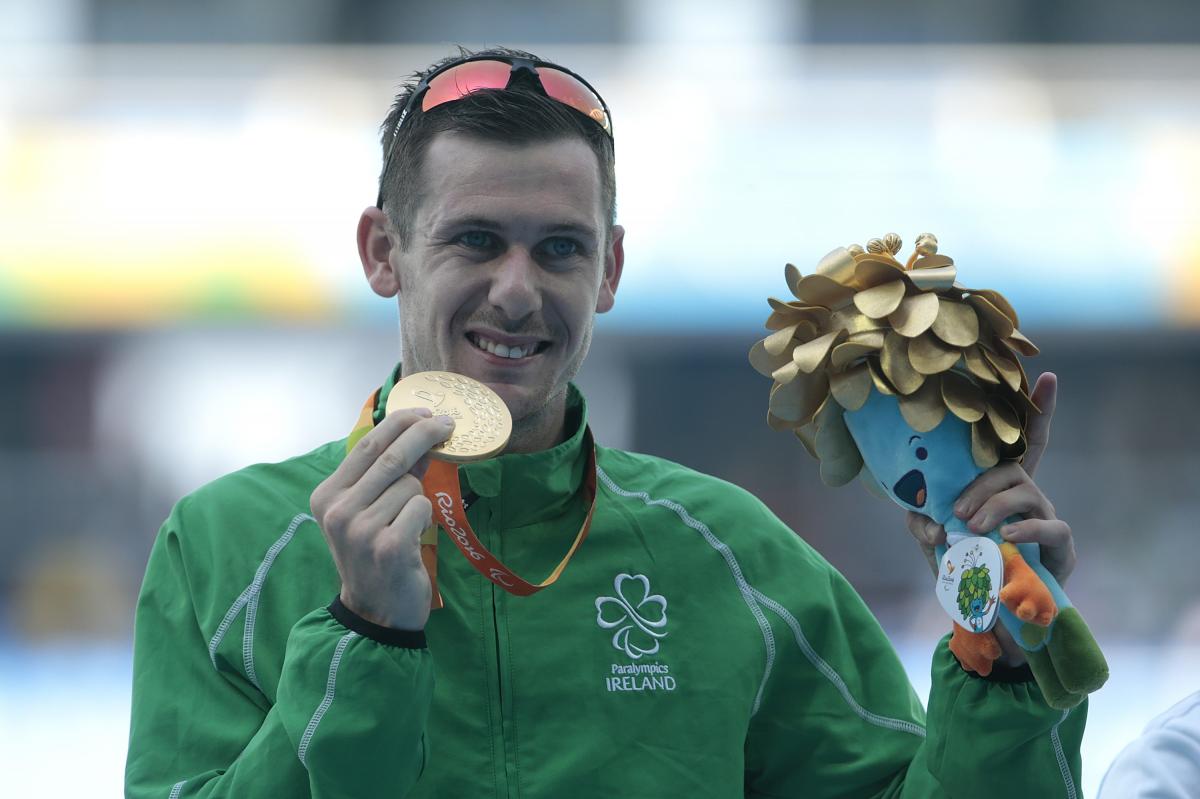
[[476, 238], [922, 453], [563, 248]]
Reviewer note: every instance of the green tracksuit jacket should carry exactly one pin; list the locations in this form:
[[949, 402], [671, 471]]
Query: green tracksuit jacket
[[694, 647]]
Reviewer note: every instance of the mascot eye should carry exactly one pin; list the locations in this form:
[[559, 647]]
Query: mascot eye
[[922, 453]]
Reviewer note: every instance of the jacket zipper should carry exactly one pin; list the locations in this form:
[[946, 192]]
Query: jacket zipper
[[505, 743]]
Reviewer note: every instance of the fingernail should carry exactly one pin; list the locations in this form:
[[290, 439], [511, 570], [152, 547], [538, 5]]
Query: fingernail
[[446, 420], [1010, 532], [960, 508], [425, 412], [979, 523]]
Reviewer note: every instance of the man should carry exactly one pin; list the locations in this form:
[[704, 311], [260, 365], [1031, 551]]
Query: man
[[693, 647]]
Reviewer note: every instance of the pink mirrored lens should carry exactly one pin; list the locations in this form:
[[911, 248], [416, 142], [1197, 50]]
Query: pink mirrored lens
[[569, 90], [457, 82]]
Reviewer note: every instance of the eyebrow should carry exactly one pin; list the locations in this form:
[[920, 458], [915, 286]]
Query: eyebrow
[[572, 227], [470, 221], [485, 223], [912, 438]]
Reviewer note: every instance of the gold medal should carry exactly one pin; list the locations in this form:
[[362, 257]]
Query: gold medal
[[482, 423]]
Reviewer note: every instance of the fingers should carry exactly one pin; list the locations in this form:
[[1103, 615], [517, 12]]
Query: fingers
[[400, 457], [371, 532], [422, 466], [1055, 539], [404, 533], [413, 518], [390, 504], [1054, 533], [1024, 499], [1045, 396], [985, 486], [368, 449], [928, 533]]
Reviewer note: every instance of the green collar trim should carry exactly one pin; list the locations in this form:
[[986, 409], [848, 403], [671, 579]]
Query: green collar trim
[[384, 391]]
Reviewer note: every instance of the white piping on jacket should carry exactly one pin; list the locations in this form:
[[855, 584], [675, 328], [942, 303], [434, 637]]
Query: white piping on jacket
[[753, 596], [330, 685], [1068, 780], [176, 788], [821, 665], [249, 597], [252, 605]]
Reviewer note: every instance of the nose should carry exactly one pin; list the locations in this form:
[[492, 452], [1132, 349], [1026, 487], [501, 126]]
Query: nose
[[515, 289]]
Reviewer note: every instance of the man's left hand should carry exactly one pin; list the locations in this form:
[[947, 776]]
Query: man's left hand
[[1008, 490]]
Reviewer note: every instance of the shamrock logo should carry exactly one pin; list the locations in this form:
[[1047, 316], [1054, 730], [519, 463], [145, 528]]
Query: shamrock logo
[[634, 615]]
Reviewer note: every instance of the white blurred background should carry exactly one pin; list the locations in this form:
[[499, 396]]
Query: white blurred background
[[180, 293]]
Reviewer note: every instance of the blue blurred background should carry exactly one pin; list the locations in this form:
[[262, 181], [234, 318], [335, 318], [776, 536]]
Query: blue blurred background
[[180, 294]]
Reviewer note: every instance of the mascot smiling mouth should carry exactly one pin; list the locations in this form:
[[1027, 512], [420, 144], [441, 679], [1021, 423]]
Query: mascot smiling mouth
[[910, 489]]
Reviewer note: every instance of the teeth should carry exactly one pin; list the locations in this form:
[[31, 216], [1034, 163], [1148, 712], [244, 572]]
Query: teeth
[[503, 350]]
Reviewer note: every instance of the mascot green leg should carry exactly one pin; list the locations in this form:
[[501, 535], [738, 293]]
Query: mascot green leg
[[1076, 656], [1047, 679]]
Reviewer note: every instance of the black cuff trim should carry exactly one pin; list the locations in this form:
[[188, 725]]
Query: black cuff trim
[[388, 636], [1005, 674]]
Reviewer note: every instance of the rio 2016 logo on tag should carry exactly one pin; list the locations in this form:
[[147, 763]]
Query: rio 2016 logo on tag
[[969, 581]]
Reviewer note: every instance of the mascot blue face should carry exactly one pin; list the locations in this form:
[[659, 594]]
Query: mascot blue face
[[924, 472]]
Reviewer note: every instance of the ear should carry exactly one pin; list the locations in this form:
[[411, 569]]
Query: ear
[[872, 483], [375, 244], [614, 261]]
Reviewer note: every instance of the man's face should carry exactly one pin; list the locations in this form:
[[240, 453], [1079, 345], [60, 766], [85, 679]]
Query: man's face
[[507, 267]]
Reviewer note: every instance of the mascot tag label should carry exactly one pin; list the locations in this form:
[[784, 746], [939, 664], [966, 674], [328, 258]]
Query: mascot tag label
[[969, 581]]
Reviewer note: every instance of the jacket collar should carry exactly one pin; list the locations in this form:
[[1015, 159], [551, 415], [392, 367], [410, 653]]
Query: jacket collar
[[526, 488]]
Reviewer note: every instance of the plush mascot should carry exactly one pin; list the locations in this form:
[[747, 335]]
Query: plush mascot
[[894, 373]]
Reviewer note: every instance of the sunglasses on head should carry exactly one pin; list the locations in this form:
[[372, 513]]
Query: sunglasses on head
[[460, 78]]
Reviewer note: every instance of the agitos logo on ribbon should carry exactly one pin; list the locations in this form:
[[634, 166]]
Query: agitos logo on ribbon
[[442, 488]]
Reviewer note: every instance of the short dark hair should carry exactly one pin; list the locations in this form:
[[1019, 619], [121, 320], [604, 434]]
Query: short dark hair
[[521, 114]]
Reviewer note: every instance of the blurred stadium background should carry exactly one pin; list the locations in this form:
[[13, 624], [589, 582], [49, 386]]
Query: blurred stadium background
[[180, 295]]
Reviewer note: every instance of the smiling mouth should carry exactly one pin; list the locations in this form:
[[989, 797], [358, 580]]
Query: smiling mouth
[[910, 489], [519, 352]]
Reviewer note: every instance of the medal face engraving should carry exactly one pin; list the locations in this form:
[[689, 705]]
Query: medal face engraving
[[482, 423], [434, 400]]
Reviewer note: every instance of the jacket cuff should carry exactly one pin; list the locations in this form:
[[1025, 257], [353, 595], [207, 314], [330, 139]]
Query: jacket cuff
[[388, 636], [1005, 674]]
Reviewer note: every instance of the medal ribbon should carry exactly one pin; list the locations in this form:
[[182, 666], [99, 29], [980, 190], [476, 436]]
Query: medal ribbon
[[441, 488]]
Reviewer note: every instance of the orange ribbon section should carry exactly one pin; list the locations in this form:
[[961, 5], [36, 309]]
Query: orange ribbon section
[[442, 489]]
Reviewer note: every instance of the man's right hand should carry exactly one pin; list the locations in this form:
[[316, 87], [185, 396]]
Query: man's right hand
[[372, 512]]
